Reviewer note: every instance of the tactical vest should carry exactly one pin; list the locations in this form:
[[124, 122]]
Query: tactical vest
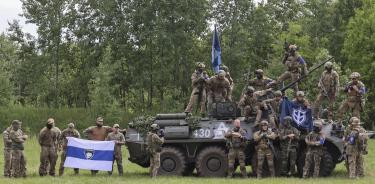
[[292, 63]]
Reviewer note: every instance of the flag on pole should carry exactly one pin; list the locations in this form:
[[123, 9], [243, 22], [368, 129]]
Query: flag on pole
[[302, 116], [216, 52], [91, 155]]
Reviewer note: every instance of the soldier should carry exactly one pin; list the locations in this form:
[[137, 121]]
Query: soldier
[[199, 81], [329, 86], [227, 76], [248, 103], [289, 137], [63, 141], [264, 148], [236, 144], [260, 82], [18, 158], [7, 152], [97, 133], [301, 100], [119, 140], [58, 132], [293, 61], [355, 100], [154, 142], [48, 155], [274, 105], [218, 89], [314, 141], [356, 146]]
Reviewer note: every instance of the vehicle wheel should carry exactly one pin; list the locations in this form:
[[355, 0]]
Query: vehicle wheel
[[172, 161], [326, 164], [212, 162]]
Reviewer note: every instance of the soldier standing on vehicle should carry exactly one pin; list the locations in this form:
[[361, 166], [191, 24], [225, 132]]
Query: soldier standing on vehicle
[[218, 89], [227, 76], [356, 146], [199, 81], [294, 62], [236, 145], [328, 89], [248, 103], [260, 82], [274, 105], [48, 155], [18, 158], [301, 100], [97, 133], [355, 98], [154, 142], [63, 141], [7, 152], [264, 148], [314, 141], [289, 137], [119, 140]]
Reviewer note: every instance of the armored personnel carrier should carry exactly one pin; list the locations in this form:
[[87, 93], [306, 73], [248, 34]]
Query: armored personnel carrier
[[203, 146]]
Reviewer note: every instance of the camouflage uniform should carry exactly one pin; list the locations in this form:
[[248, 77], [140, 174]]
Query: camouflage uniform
[[236, 145], [303, 102], [288, 147], [48, 155], [18, 157], [263, 149], [328, 85], [69, 132], [227, 76], [249, 104], [199, 83], [274, 106], [7, 152], [356, 146], [293, 62], [354, 101], [218, 89], [259, 83], [314, 141], [154, 143], [119, 137]]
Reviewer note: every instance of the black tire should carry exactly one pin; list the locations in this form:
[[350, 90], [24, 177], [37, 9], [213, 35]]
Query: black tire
[[327, 165], [172, 162], [212, 162]]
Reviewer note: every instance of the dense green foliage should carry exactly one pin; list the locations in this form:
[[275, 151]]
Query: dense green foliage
[[119, 57]]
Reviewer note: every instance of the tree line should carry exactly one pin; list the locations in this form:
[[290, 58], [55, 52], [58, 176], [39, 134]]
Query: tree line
[[138, 56]]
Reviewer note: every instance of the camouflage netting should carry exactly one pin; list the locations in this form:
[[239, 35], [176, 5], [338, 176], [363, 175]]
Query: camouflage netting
[[193, 122], [142, 124]]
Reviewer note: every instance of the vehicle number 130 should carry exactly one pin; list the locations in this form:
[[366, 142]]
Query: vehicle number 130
[[202, 133]]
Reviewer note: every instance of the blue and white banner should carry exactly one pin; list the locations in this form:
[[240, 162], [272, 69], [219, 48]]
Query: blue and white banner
[[302, 116], [216, 52], [87, 154]]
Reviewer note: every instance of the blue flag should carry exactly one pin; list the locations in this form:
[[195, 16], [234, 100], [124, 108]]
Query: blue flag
[[216, 52], [302, 116]]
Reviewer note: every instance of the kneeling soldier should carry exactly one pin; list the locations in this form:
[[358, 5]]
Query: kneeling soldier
[[236, 146]]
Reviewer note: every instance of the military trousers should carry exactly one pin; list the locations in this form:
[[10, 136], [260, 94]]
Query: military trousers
[[154, 164], [18, 164], [349, 106], [289, 158], [312, 158], [236, 153], [48, 156], [318, 103], [194, 97], [61, 168], [262, 154], [355, 162], [7, 162]]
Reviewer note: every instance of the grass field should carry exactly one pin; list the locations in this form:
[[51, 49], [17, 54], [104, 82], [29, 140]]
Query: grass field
[[136, 174]]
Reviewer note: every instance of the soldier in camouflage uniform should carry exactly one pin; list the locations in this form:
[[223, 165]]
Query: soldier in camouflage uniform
[[356, 146], [329, 86], [218, 89], [248, 103], [199, 81], [289, 137], [260, 82], [227, 76], [264, 148], [355, 101], [301, 100], [63, 141], [119, 140], [48, 155], [18, 158], [7, 152], [236, 145], [294, 62], [314, 141], [154, 142], [97, 133], [273, 105]]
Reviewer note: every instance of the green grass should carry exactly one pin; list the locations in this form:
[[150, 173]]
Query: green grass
[[136, 174]]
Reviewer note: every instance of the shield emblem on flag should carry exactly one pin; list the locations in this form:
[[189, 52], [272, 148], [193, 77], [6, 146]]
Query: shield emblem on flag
[[89, 153], [299, 116]]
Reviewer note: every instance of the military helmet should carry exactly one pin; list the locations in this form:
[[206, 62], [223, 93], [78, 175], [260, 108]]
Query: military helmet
[[200, 65], [221, 73], [278, 93], [329, 64], [225, 68], [264, 123], [116, 126], [155, 126], [16, 122], [300, 94], [260, 71], [99, 119], [71, 125], [355, 75], [292, 46], [318, 123], [355, 121], [288, 118], [250, 89]]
